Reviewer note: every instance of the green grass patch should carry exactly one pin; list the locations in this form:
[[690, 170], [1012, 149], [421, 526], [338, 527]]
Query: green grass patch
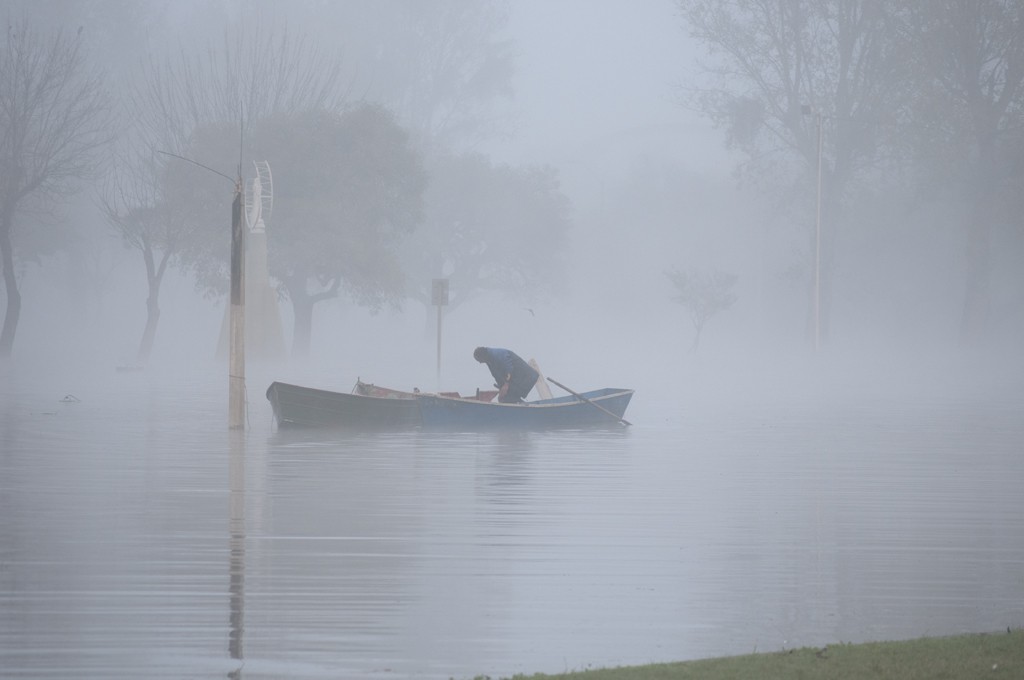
[[964, 657]]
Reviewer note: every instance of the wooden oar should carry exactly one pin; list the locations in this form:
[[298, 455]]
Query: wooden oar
[[582, 398]]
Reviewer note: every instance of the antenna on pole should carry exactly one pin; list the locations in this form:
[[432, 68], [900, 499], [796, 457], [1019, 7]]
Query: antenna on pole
[[204, 167], [236, 360], [236, 329]]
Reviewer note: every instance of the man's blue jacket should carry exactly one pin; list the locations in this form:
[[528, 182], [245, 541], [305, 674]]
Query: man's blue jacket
[[503, 362]]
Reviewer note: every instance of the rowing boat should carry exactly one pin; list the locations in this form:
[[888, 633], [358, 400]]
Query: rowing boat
[[367, 406], [587, 409]]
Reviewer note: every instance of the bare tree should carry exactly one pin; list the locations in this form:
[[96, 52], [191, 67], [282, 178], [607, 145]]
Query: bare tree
[[773, 63], [139, 205], [444, 67], [967, 124], [254, 75], [704, 294], [454, 65], [54, 118]]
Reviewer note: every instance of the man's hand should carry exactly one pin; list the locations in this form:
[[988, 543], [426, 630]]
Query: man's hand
[[503, 390]]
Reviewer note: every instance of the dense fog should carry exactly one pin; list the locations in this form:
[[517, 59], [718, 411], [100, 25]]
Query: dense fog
[[789, 233], [611, 100]]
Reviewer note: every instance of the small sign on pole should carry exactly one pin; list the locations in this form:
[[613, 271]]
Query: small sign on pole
[[439, 292], [439, 298]]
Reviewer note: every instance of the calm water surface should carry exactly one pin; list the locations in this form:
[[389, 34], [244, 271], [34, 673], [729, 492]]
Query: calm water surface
[[139, 537]]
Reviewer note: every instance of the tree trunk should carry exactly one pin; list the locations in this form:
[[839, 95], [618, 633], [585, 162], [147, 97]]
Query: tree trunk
[[152, 319], [977, 302], [154, 276], [978, 248], [698, 322], [697, 327], [828, 275], [11, 286], [302, 307]]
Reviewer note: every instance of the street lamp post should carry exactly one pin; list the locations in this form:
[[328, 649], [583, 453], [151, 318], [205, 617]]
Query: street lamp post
[[439, 297], [817, 251], [807, 110]]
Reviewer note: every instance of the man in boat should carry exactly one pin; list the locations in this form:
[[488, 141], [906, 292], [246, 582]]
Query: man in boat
[[513, 377]]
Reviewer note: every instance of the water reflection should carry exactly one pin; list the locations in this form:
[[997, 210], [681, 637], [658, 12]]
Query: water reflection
[[712, 531], [236, 549]]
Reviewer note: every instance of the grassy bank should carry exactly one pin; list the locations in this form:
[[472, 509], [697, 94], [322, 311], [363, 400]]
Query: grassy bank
[[964, 657]]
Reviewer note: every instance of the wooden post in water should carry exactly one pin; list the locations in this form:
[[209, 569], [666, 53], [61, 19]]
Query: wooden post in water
[[236, 550], [236, 339]]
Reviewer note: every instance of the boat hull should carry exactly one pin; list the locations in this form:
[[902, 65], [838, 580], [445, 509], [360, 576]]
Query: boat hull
[[297, 406], [558, 413]]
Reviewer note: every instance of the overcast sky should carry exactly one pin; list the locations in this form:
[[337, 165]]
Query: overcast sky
[[596, 79]]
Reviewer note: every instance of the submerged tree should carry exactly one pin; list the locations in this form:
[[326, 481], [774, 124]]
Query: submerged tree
[[703, 294], [54, 118]]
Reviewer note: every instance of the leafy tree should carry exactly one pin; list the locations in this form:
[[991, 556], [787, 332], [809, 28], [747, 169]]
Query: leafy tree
[[173, 212], [347, 186], [844, 62], [350, 187], [445, 68], [54, 118], [703, 294], [488, 227]]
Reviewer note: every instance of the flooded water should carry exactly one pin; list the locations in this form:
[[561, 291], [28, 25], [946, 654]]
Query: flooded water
[[140, 537]]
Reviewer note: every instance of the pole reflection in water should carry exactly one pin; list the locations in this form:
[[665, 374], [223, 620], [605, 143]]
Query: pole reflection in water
[[236, 549]]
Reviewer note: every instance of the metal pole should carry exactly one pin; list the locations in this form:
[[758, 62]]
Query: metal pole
[[439, 348], [236, 330], [439, 296], [817, 252]]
